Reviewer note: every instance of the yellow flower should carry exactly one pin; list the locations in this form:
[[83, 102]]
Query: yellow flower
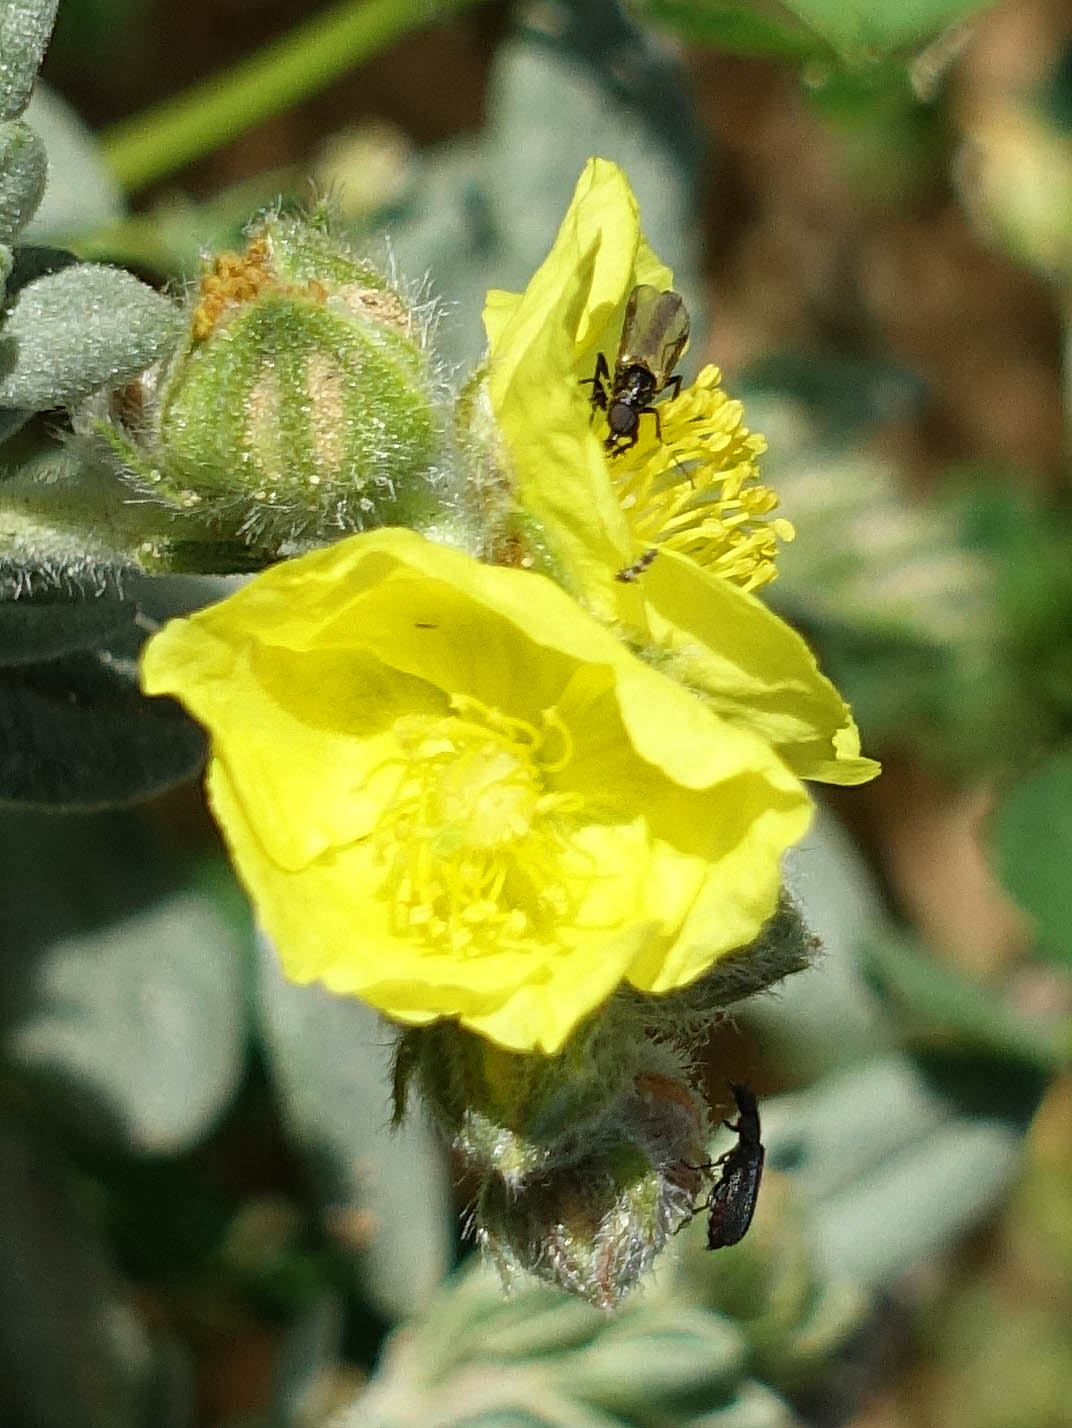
[[451, 792], [681, 514]]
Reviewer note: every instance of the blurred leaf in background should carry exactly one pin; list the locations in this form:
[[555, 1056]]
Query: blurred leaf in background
[[382, 1189]]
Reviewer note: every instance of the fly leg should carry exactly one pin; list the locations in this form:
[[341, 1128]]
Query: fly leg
[[599, 381]]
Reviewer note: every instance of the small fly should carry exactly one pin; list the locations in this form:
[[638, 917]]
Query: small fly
[[732, 1201], [654, 335]]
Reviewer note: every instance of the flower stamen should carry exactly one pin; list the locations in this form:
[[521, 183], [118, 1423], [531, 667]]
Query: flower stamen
[[473, 840], [697, 489]]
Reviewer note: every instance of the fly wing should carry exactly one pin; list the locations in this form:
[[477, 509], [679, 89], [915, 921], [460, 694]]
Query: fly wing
[[654, 333]]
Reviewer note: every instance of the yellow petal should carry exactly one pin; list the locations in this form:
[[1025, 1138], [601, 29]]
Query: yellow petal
[[540, 343], [753, 669], [376, 706], [686, 504]]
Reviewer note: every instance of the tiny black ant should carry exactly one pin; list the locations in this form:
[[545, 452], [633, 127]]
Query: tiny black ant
[[636, 570]]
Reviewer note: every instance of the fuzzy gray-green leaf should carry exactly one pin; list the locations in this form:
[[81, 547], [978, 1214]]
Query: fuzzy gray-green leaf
[[330, 1058], [660, 1359], [911, 1208], [25, 26], [23, 171], [71, 332], [76, 732], [897, 1170], [937, 1006], [44, 627], [73, 1352], [753, 1406], [140, 1022], [471, 1358], [70, 526]]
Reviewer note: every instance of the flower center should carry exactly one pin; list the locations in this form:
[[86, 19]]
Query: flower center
[[473, 838], [697, 490]]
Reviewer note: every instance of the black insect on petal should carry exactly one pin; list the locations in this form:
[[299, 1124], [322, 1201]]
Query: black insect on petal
[[655, 332]]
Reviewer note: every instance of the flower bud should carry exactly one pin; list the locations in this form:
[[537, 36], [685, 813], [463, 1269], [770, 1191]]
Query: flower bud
[[586, 1161], [301, 404]]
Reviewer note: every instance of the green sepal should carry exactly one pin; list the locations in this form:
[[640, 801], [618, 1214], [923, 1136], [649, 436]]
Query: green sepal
[[585, 1161], [785, 945], [588, 1161], [304, 249]]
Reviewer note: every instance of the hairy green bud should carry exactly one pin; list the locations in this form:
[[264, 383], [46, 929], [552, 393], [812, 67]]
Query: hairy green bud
[[586, 1162], [302, 403]]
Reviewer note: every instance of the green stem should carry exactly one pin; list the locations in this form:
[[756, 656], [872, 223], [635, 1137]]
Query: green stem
[[163, 139], [1065, 297]]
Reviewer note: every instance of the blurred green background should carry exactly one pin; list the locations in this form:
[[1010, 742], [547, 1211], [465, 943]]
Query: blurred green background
[[204, 1217]]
